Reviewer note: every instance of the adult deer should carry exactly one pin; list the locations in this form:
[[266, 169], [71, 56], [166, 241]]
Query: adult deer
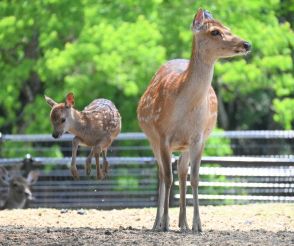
[[178, 111], [19, 191], [96, 126]]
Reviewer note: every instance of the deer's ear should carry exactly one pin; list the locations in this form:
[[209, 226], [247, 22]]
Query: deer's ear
[[198, 20], [50, 101], [70, 100], [4, 176], [32, 177], [208, 15]]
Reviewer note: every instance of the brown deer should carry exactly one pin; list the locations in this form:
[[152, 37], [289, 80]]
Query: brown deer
[[96, 126], [178, 111], [19, 191]]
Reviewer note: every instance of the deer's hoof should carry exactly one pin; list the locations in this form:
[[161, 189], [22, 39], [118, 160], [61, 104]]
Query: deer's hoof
[[162, 225], [183, 225], [197, 229], [74, 173]]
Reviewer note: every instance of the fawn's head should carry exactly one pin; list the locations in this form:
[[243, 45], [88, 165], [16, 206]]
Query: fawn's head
[[60, 114], [19, 187], [215, 40]]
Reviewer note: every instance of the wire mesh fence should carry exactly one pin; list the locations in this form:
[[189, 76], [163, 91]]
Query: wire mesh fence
[[260, 169]]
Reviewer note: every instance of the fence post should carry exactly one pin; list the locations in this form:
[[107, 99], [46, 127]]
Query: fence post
[[1, 141]]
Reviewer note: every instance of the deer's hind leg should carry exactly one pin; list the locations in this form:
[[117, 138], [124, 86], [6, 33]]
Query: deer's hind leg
[[105, 165], [88, 163], [97, 150], [167, 179], [161, 191]]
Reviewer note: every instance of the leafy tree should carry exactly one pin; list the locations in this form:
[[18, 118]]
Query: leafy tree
[[62, 46], [111, 49]]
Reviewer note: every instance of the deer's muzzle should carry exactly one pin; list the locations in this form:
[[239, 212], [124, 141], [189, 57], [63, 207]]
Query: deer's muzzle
[[247, 46], [56, 135]]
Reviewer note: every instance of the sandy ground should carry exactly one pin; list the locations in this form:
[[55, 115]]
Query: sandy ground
[[260, 224]]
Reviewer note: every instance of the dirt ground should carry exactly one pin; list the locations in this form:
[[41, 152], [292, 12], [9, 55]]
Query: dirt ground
[[259, 224]]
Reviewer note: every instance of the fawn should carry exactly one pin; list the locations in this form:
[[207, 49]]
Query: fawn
[[19, 188], [178, 111], [96, 126]]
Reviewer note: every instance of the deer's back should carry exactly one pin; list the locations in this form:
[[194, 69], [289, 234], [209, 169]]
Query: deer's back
[[103, 116], [163, 86], [101, 104]]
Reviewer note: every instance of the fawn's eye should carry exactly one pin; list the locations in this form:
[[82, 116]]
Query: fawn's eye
[[14, 185], [215, 33], [62, 120]]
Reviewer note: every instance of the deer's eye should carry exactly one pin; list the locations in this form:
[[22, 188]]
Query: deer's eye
[[62, 120], [215, 33], [15, 185]]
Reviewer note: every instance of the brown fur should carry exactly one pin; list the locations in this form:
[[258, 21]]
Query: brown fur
[[178, 111], [96, 126], [19, 189]]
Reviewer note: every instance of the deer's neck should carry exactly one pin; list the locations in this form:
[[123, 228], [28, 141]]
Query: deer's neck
[[77, 123], [15, 201], [198, 74]]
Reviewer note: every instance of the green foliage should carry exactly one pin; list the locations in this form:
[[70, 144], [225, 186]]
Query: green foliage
[[218, 146], [125, 181], [20, 149], [111, 49]]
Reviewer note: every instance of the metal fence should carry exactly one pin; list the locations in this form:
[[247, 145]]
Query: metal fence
[[267, 176]]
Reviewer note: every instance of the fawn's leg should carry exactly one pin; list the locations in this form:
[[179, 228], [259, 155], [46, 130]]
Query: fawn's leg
[[88, 162], [105, 162], [73, 167], [99, 173]]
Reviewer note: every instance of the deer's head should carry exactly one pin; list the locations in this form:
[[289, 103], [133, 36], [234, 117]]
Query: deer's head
[[215, 40], [60, 114], [19, 188]]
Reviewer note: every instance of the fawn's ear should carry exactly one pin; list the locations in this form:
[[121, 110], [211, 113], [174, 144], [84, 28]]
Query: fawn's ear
[[32, 177], [50, 101], [4, 176], [70, 100], [198, 20]]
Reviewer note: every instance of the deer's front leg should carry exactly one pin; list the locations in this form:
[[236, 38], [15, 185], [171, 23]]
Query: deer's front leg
[[195, 159], [73, 167], [183, 166]]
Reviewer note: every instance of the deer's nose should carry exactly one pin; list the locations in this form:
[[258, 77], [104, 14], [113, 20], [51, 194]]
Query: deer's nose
[[55, 135], [247, 46]]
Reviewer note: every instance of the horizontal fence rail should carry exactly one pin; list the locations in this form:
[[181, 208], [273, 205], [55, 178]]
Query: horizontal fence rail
[[228, 160], [141, 136], [132, 181]]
